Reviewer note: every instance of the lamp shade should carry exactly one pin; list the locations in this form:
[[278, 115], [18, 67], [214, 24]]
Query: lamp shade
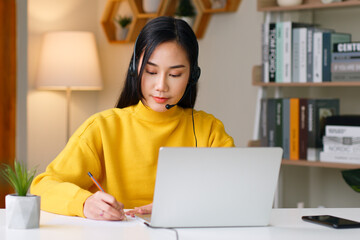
[[69, 59]]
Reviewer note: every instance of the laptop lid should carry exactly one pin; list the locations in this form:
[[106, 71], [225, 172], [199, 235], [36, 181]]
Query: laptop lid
[[215, 187]]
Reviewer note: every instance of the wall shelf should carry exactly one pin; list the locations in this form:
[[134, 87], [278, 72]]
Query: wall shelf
[[305, 163], [271, 5], [166, 8]]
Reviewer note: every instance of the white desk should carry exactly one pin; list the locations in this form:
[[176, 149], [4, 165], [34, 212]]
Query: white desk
[[286, 224]]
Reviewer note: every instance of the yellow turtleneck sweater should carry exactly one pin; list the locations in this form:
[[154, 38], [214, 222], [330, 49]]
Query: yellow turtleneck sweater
[[120, 148]]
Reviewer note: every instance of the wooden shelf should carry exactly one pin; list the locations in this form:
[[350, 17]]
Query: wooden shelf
[[305, 163], [271, 5], [166, 8], [257, 74]]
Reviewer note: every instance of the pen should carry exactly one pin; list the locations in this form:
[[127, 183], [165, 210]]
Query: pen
[[96, 182]]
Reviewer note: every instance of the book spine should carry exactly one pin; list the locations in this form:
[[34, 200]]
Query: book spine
[[303, 55], [345, 57], [341, 131], [287, 36], [263, 123], [345, 77], [294, 129], [340, 158], [323, 108], [272, 52], [303, 128], [345, 66], [309, 54], [278, 129], [346, 47], [296, 55], [341, 148], [317, 57], [326, 60], [311, 151], [279, 52], [271, 121], [286, 127], [265, 52]]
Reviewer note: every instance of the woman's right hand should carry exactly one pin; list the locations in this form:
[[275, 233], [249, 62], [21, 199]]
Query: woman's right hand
[[103, 206]]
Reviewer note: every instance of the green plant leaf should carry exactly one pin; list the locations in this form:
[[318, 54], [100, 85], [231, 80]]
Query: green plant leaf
[[18, 177]]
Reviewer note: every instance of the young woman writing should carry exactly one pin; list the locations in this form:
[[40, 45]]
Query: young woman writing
[[120, 146]]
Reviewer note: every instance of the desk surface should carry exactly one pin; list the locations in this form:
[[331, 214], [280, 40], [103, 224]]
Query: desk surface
[[285, 224]]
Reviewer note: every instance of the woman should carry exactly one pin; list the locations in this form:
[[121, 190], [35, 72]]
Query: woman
[[120, 146]]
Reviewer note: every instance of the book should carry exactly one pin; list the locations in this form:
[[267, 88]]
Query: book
[[345, 77], [317, 57], [342, 131], [345, 67], [265, 52], [299, 55], [318, 111], [263, 123], [272, 52], [286, 127], [287, 28], [294, 129], [271, 121], [303, 128], [318, 53], [278, 122], [309, 54], [343, 120], [341, 145], [329, 38], [345, 57], [340, 158], [346, 47], [279, 52]]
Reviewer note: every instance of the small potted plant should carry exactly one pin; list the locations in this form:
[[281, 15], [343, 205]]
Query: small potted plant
[[122, 27], [22, 209], [185, 11]]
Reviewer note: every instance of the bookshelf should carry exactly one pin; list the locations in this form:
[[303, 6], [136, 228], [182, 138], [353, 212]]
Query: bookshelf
[[203, 10], [270, 6]]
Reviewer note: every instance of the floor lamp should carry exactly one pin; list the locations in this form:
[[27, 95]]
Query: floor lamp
[[69, 61]]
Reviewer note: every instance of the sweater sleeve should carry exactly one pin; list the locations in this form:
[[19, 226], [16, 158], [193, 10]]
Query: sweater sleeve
[[219, 137], [64, 186]]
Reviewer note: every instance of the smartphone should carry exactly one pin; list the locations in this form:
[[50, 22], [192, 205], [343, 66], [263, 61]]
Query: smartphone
[[332, 221]]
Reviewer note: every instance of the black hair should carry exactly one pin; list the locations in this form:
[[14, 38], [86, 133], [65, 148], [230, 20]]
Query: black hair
[[157, 31]]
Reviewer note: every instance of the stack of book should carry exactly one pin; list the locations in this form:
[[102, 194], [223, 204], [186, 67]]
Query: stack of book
[[296, 125], [341, 143], [345, 65], [298, 52]]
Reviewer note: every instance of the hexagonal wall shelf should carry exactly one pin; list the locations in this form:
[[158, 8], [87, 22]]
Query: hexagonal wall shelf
[[204, 11]]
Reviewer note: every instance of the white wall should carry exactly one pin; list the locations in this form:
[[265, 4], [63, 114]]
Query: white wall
[[231, 46], [47, 109]]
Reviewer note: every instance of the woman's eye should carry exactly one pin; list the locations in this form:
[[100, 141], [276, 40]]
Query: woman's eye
[[175, 75], [150, 72]]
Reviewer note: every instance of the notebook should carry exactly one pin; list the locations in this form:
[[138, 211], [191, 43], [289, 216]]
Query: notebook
[[214, 187]]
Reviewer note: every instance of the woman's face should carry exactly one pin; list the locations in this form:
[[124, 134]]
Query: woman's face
[[165, 76]]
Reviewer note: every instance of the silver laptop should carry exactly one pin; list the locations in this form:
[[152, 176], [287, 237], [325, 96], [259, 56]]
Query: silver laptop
[[214, 187]]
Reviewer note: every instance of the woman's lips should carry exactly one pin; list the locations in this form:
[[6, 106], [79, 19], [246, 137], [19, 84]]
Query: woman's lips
[[160, 100]]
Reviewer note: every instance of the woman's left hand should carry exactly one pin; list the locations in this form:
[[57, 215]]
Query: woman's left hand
[[140, 210]]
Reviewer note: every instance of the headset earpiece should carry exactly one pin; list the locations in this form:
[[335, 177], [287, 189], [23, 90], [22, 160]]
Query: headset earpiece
[[132, 68], [195, 75]]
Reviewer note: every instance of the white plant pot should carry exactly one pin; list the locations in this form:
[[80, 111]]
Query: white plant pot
[[22, 212], [150, 6], [121, 33], [287, 3]]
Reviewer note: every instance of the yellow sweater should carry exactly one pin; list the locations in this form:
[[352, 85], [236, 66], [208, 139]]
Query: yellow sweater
[[120, 148]]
